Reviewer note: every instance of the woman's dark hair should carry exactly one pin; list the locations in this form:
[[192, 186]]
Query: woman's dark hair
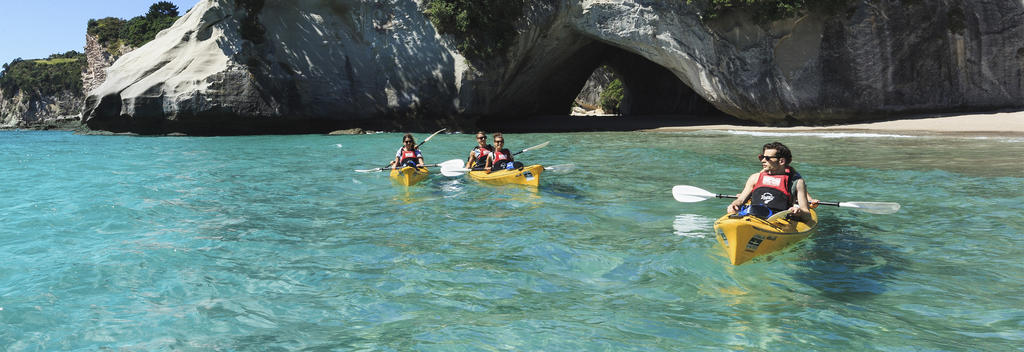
[[409, 137], [783, 151]]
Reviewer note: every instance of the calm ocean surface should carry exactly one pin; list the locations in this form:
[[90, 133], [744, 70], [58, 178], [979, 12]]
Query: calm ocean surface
[[274, 243]]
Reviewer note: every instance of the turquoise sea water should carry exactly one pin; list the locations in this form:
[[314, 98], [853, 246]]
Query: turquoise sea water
[[274, 243]]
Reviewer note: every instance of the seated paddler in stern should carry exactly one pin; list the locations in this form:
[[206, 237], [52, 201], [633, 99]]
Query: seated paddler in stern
[[776, 188], [408, 154], [501, 158]]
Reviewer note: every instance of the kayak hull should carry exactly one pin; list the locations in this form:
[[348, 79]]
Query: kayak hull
[[408, 176], [745, 238], [527, 175]]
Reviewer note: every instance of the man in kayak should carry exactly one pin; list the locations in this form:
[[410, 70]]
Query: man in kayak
[[480, 153], [502, 157], [778, 187], [408, 154]]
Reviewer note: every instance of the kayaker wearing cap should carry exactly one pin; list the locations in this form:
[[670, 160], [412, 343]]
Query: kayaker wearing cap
[[478, 156], [778, 187], [502, 157], [408, 154]]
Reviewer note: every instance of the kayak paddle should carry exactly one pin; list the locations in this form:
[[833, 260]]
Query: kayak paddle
[[691, 194], [428, 138], [542, 145], [389, 167]]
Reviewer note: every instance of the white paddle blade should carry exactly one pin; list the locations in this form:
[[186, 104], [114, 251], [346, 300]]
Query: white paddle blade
[[690, 194], [454, 172], [872, 207], [368, 170], [542, 145], [561, 169], [453, 168], [451, 164], [432, 136]]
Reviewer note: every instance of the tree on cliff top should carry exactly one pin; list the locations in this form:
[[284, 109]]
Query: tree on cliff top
[[162, 9], [114, 32], [483, 28]]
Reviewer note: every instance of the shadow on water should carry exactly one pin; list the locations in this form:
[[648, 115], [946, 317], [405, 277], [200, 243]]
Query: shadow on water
[[562, 190], [846, 264]]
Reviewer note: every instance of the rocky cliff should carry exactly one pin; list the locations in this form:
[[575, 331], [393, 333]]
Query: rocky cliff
[[270, 66], [28, 108], [52, 111]]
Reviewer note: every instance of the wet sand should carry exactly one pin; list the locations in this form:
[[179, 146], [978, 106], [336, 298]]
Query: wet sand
[[994, 124]]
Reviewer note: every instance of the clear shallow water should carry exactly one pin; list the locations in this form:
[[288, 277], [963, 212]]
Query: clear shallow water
[[274, 243]]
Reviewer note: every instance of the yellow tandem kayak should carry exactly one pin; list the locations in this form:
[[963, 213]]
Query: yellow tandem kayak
[[408, 176], [527, 175], [749, 236]]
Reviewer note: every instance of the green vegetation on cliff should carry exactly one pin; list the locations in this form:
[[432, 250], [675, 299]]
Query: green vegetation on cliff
[[611, 97], [59, 72], [770, 10], [483, 28], [63, 72], [114, 32]]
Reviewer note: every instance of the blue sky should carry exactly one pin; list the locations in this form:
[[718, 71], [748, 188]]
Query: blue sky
[[34, 29]]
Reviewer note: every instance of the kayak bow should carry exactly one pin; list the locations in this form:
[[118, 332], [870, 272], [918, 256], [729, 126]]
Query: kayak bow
[[408, 176], [747, 237]]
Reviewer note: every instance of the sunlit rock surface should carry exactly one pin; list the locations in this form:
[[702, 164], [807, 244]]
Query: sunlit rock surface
[[318, 66]]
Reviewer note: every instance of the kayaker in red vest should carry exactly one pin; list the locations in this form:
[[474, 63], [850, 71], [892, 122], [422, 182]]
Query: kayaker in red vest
[[502, 157], [778, 186], [478, 156], [407, 155]]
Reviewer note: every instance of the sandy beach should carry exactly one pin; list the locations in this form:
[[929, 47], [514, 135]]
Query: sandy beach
[[971, 124], [997, 124]]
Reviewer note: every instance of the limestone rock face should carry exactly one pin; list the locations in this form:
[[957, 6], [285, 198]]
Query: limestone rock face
[[98, 59], [56, 111], [317, 66]]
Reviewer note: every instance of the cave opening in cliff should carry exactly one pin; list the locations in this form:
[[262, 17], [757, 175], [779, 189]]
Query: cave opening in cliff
[[641, 87], [566, 95], [602, 94]]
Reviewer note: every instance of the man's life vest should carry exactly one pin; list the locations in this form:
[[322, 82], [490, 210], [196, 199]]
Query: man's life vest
[[774, 191]]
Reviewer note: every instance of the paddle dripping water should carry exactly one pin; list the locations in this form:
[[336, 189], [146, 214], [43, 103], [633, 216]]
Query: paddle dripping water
[[273, 242]]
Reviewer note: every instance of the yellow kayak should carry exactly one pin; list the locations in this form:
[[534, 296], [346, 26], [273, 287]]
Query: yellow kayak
[[408, 176], [749, 236], [528, 175]]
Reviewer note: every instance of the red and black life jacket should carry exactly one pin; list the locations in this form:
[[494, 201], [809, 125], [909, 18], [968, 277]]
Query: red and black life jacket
[[406, 156], [774, 191], [501, 158]]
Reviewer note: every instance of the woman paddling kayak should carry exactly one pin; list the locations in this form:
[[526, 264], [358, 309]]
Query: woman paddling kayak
[[480, 153], [408, 167], [408, 154]]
